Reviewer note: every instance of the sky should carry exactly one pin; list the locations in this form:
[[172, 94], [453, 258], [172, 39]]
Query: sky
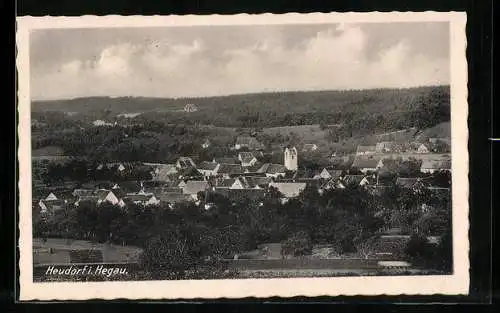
[[199, 61]]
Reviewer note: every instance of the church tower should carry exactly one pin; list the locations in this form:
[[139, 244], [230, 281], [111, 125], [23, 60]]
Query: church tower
[[291, 158]]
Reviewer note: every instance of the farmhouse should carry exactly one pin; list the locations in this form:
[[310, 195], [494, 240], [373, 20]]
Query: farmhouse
[[272, 170], [366, 164], [208, 169], [365, 150], [184, 163], [247, 142]]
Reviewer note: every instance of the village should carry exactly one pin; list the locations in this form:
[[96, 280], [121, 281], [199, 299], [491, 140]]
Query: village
[[244, 173]]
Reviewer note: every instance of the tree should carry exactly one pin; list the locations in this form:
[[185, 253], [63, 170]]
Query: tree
[[419, 250], [298, 244]]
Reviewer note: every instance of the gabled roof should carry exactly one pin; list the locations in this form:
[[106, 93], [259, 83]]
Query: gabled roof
[[270, 168], [102, 193], [139, 197], [333, 183], [246, 160], [365, 162], [353, 179], [53, 203], [207, 166], [230, 169], [225, 183], [253, 181], [289, 190], [195, 186], [186, 162], [247, 154], [254, 168], [227, 160]]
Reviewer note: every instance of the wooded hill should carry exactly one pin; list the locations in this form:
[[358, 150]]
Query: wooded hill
[[270, 109]]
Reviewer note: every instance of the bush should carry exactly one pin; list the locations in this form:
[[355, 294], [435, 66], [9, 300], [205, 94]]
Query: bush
[[297, 245]]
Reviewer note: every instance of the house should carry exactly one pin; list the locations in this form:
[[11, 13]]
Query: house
[[181, 184], [51, 197], [172, 198], [431, 166], [190, 108], [226, 160], [272, 170], [164, 172], [225, 183], [250, 143], [328, 174], [365, 150], [106, 196], [244, 182], [193, 187], [206, 144], [144, 199], [309, 147], [130, 186], [332, 184], [247, 159], [184, 163], [366, 164], [228, 170], [353, 180], [208, 169], [51, 205], [289, 189], [387, 147], [423, 148]]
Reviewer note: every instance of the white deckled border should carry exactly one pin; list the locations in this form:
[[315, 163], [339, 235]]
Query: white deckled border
[[458, 283]]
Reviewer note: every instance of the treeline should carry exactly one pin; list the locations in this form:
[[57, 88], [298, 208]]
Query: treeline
[[377, 108], [188, 236]]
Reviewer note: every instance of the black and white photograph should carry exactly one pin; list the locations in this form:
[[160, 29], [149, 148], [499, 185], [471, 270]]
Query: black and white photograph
[[243, 152]]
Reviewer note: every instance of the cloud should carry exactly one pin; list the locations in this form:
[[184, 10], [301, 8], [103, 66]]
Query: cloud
[[336, 58]]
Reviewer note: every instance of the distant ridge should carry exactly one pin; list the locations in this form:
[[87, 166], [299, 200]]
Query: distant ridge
[[292, 99]]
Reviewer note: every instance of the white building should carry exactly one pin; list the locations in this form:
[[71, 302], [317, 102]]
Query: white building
[[291, 159]]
